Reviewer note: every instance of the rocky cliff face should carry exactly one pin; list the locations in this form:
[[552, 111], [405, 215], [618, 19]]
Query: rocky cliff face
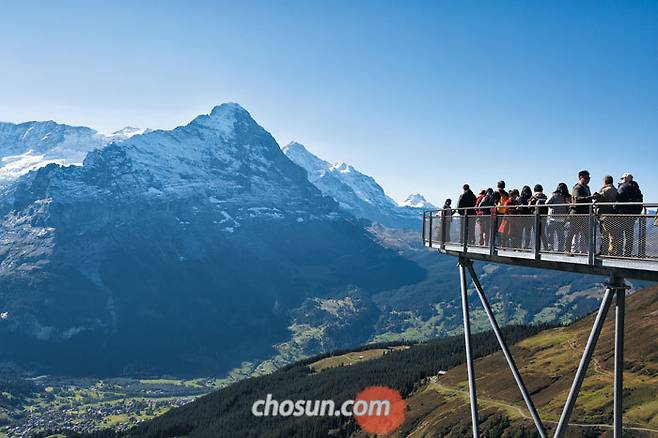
[[174, 251]]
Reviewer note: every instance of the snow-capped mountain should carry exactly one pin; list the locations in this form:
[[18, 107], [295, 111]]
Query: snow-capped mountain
[[31, 145], [356, 193], [417, 200], [127, 132], [183, 251]]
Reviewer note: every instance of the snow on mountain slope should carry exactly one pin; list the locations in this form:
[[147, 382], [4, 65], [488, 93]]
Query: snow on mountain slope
[[32, 145], [357, 193], [416, 200]]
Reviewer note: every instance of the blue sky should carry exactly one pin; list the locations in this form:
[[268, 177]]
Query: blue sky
[[424, 96]]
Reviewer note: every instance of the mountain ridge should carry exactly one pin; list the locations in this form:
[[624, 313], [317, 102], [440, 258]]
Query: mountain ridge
[[357, 193]]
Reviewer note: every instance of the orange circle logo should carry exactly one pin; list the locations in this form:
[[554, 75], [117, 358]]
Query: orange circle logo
[[379, 409]]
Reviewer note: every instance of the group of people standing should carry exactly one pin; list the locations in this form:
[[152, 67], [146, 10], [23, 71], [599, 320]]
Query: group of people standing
[[562, 215]]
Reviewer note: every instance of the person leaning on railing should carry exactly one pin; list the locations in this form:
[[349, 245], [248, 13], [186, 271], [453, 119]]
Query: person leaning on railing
[[629, 191], [446, 213], [609, 232], [581, 196], [466, 209], [526, 222], [557, 217], [481, 224], [538, 199], [509, 229], [503, 196]]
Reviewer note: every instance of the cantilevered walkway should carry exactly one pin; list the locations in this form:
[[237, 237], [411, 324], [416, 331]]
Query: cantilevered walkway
[[597, 240]]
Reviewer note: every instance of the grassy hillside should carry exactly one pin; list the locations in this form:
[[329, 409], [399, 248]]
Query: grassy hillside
[[548, 362]]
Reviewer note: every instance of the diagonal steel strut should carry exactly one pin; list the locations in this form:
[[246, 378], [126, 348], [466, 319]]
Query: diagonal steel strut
[[585, 360], [506, 352]]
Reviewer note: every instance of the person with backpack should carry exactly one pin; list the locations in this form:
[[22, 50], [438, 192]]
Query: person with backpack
[[465, 208], [557, 218], [578, 237], [629, 191], [504, 196], [537, 199], [609, 232]]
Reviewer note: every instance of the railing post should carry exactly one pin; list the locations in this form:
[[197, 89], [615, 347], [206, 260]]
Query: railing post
[[538, 233], [465, 230], [642, 235], [424, 236], [429, 234], [592, 235], [444, 221], [493, 228]]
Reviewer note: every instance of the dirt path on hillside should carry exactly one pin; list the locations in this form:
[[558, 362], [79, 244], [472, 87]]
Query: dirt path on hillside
[[525, 415]]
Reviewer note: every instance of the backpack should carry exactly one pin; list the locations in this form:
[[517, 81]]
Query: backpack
[[536, 200]]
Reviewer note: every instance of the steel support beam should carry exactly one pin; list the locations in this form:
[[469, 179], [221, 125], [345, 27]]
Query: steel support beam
[[620, 291], [585, 360], [506, 352], [463, 262]]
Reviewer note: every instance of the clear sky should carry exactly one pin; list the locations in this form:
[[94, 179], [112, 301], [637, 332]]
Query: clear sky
[[424, 96]]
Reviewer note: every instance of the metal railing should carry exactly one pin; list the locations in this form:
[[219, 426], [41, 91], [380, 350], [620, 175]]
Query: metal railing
[[594, 232]]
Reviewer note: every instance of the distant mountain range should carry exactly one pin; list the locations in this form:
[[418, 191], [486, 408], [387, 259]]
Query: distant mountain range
[[31, 145], [357, 193]]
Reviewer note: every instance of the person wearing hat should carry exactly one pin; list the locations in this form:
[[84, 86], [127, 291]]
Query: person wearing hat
[[629, 191]]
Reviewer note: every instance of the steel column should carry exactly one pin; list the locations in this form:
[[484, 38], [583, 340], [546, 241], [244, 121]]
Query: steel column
[[467, 342], [506, 352], [584, 362], [620, 291]]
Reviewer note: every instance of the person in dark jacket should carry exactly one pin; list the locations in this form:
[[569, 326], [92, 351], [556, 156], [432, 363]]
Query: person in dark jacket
[[539, 198], [447, 214], [557, 218], [526, 222], [629, 191], [581, 196], [465, 207]]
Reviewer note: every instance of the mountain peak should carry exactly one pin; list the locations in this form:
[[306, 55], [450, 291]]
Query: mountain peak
[[128, 131], [416, 200], [295, 147], [223, 118]]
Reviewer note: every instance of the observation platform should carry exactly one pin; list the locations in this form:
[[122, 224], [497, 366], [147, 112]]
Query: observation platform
[[597, 238], [578, 243]]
